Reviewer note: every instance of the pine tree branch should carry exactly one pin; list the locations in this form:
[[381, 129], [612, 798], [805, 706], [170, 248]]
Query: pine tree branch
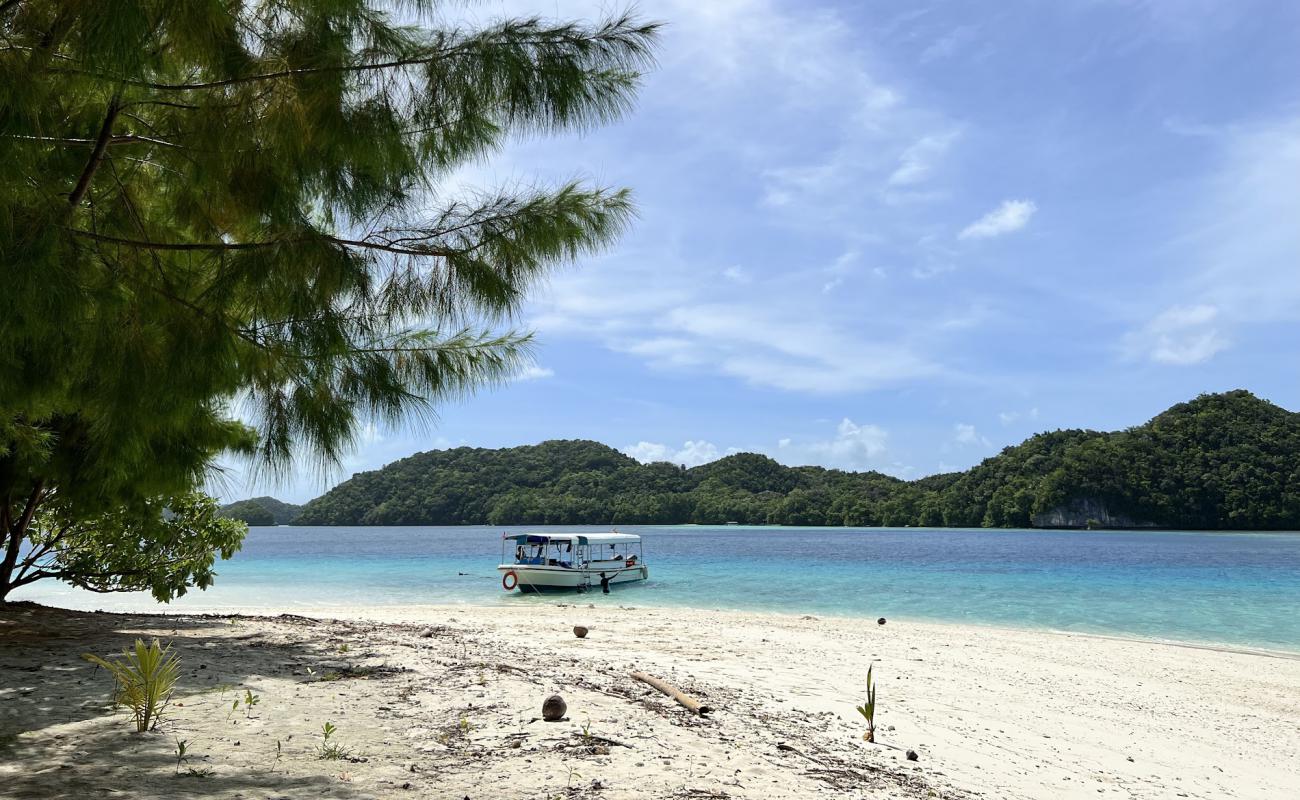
[[111, 142], [97, 154], [217, 247], [622, 30]]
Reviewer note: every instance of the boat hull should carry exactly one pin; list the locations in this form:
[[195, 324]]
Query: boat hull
[[536, 578]]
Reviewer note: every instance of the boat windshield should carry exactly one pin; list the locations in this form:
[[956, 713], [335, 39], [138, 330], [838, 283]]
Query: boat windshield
[[551, 554], [575, 551]]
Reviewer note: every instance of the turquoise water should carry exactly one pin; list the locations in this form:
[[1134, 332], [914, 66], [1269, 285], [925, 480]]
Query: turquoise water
[[1241, 589]]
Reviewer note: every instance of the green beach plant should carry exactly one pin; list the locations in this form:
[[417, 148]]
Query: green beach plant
[[330, 751], [250, 700], [144, 680], [868, 709], [182, 747]]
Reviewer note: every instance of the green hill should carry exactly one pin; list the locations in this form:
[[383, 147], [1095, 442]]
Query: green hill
[[1223, 461], [262, 511]]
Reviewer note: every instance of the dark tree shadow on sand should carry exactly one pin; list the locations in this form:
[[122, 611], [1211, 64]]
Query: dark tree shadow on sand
[[46, 684]]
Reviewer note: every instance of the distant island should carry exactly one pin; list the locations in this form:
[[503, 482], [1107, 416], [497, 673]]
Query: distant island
[[1226, 461], [262, 511]]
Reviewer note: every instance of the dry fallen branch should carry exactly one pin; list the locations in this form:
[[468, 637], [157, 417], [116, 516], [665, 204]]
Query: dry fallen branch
[[688, 702]]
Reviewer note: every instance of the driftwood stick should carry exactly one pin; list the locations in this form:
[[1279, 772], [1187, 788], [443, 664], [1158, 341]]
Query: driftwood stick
[[688, 702]]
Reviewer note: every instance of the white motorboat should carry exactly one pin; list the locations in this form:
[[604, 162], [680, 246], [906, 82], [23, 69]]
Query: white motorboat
[[570, 561]]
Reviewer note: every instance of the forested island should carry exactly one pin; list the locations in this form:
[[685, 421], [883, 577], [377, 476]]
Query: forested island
[[1222, 461]]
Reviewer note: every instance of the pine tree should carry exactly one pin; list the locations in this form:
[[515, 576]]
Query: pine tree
[[222, 211]]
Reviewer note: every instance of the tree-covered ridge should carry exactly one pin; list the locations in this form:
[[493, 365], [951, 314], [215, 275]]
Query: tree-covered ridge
[[1222, 461], [262, 511]]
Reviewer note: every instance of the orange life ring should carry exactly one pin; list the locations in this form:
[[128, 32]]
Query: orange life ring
[[509, 580]]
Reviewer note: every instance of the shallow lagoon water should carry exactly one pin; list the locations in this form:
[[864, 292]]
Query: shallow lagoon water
[[1239, 589]]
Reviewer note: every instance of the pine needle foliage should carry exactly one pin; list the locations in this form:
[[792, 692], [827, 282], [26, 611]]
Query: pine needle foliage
[[212, 209]]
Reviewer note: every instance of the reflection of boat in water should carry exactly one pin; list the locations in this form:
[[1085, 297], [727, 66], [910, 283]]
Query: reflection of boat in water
[[570, 560]]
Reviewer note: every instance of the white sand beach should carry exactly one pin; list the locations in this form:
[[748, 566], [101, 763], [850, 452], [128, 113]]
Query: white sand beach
[[444, 702]]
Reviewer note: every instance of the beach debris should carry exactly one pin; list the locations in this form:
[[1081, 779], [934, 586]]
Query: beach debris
[[688, 702], [809, 617], [554, 708], [912, 756], [880, 621], [580, 631]]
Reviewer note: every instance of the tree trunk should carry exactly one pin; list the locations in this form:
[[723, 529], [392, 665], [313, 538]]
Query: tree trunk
[[15, 534]]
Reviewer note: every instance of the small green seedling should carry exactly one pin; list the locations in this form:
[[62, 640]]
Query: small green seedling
[[233, 708], [182, 747], [330, 751], [868, 709], [183, 760], [250, 700], [586, 729]]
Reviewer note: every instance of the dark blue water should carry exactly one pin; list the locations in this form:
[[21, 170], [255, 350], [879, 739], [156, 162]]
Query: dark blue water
[[1229, 588]]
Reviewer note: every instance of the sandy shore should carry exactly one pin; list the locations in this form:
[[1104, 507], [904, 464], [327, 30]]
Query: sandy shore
[[443, 702]]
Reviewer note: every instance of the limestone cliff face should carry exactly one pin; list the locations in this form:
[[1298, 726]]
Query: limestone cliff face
[[1078, 513]]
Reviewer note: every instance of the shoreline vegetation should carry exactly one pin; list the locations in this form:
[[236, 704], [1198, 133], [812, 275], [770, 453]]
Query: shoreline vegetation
[[1227, 461], [446, 701]]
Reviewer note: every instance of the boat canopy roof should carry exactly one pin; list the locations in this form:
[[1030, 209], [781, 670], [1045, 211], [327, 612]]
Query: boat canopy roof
[[575, 538]]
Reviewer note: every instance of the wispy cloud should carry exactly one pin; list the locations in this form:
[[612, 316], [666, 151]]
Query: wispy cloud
[[1011, 417], [1238, 251], [949, 44], [918, 161], [1181, 335], [533, 372], [966, 434], [1009, 217], [736, 275]]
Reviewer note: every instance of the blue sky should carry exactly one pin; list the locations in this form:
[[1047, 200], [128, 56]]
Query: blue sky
[[903, 235]]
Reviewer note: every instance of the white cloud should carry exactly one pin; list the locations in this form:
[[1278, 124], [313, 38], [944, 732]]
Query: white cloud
[[1238, 253], [736, 275], [853, 447], [1182, 335], [918, 161], [949, 44], [1009, 417], [794, 352], [1009, 217], [965, 434], [691, 454], [370, 434], [533, 372], [798, 105]]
